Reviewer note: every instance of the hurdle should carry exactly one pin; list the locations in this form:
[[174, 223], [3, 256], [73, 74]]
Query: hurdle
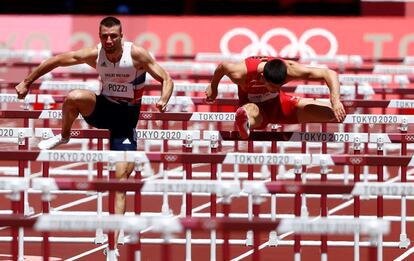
[[100, 135], [402, 138], [222, 188], [17, 188], [328, 228], [65, 156]]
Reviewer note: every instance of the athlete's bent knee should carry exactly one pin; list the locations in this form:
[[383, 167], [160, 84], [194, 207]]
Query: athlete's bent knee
[[252, 109]]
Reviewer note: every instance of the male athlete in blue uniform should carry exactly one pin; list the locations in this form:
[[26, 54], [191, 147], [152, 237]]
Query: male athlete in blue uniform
[[122, 67]]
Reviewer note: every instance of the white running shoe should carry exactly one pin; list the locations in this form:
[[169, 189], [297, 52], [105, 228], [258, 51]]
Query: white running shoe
[[52, 142]]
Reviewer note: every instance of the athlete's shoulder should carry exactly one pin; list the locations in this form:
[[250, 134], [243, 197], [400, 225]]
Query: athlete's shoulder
[[231, 67], [139, 51], [85, 53]]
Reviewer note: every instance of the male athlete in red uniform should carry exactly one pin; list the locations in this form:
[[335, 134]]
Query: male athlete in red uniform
[[261, 101]]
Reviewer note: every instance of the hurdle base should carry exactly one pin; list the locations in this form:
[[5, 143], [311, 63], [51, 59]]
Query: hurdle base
[[404, 241], [28, 210], [112, 255], [100, 237], [249, 238], [273, 240]]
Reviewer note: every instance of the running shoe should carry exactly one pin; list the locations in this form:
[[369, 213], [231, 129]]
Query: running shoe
[[242, 122], [52, 142]]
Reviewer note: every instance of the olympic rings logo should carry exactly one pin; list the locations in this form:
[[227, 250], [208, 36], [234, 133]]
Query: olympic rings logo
[[147, 116], [355, 161], [409, 137], [297, 47], [74, 133], [170, 158]]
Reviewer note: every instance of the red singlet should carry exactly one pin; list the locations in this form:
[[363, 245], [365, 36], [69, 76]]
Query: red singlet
[[276, 107]]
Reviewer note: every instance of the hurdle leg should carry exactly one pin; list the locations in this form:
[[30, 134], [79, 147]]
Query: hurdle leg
[[24, 145], [304, 209], [132, 253], [256, 234], [273, 241], [15, 204], [46, 197], [373, 249], [90, 164], [226, 233], [323, 201], [188, 197], [166, 250], [111, 202], [404, 240], [213, 198], [297, 208], [165, 208], [99, 235], [250, 173], [136, 247], [357, 173], [24, 207], [379, 248]]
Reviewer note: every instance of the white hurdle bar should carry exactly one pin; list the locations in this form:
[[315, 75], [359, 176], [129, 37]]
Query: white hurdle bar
[[393, 69], [308, 226], [365, 78], [20, 133], [93, 86], [231, 188], [25, 55]]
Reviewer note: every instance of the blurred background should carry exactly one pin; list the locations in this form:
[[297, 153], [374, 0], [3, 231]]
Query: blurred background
[[207, 7], [292, 28]]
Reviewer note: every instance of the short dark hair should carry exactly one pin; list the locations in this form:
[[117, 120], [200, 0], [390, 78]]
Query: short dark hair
[[275, 71], [110, 21]]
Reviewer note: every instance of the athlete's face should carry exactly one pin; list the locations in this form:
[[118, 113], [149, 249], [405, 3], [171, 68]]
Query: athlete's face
[[271, 87], [111, 38]]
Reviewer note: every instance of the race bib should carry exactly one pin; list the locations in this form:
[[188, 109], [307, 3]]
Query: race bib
[[115, 89]]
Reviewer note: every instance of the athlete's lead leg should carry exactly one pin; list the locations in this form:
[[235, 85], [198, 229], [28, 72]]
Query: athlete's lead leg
[[77, 101]]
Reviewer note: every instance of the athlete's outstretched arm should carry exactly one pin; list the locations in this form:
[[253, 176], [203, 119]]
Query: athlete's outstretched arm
[[86, 55], [157, 72], [230, 70], [298, 71]]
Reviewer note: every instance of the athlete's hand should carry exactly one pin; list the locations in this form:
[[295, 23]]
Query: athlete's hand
[[22, 89], [210, 94], [161, 106], [338, 110]]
